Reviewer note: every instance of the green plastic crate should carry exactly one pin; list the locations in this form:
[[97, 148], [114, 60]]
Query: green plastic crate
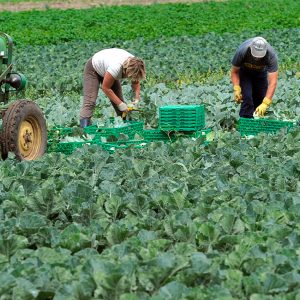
[[59, 132], [182, 117], [90, 129], [247, 126], [153, 135], [130, 128], [65, 131], [67, 147]]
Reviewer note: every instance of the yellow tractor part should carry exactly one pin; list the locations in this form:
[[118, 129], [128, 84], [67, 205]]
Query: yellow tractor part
[[30, 138], [24, 131]]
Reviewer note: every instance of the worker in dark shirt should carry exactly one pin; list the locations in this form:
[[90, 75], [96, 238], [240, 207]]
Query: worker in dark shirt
[[254, 76]]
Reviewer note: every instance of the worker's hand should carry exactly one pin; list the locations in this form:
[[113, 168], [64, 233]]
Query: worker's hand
[[261, 109], [123, 107], [238, 98]]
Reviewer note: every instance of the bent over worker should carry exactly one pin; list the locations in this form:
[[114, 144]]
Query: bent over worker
[[254, 76], [107, 68]]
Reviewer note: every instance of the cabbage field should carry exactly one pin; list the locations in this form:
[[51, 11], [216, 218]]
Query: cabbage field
[[182, 220]]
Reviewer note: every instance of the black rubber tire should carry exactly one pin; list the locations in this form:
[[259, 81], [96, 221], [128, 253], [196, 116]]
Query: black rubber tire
[[1, 150], [17, 113]]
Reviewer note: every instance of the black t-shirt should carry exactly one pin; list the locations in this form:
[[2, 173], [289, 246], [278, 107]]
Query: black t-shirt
[[243, 58]]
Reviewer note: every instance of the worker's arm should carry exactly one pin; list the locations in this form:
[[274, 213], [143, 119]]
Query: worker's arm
[[263, 107], [235, 77], [272, 77], [108, 82]]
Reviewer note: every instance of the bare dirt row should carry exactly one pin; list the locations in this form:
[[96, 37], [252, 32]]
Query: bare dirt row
[[80, 4]]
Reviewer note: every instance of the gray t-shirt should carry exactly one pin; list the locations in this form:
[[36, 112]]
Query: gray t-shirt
[[243, 58]]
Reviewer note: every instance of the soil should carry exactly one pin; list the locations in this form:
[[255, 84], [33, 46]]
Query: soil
[[81, 4]]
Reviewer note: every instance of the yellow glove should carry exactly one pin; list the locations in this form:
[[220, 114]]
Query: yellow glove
[[130, 107], [261, 109], [238, 94]]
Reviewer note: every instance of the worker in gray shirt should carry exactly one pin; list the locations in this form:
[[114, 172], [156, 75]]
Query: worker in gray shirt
[[254, 76], [107, 68]]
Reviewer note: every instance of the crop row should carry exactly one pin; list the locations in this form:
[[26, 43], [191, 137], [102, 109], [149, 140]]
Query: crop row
[[150, 22], [60, 67], [221, 111], [201, 75], [177, 220], [219, 220]]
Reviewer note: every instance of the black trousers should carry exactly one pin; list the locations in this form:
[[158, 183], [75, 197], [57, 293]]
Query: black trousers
[[254, 86]]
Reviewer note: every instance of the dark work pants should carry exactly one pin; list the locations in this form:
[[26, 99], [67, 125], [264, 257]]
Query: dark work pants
[[254, 86], [91, 84]]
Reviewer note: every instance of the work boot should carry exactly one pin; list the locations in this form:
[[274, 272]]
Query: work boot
[[85, 122]]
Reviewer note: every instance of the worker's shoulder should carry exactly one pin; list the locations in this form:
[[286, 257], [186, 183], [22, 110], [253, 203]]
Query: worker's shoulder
[[271, 50], [245, 45], [117, 51], [111, 55], [112, 51]]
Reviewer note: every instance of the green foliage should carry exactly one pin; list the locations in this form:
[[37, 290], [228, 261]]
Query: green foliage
[[192, 59], [178, 220], [56, 26], [199, 76], [142, 224]]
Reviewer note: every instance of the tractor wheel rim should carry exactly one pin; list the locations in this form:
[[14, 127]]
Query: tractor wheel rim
[[30, 138]]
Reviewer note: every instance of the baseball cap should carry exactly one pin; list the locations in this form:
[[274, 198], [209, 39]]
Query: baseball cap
[[258, 47]]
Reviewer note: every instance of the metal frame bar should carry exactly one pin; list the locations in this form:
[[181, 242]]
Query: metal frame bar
[[6, 60]]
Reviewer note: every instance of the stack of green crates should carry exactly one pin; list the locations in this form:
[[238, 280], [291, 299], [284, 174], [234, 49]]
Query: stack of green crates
[[247, 126], [182, 117]]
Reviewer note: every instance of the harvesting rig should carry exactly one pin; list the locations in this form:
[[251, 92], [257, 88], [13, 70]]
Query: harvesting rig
[[23, 128]]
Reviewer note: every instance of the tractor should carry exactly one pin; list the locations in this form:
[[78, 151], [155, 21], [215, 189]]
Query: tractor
[[23, 128]]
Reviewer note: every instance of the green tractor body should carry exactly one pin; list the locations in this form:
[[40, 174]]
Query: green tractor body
[[22, 125], [9, 80]]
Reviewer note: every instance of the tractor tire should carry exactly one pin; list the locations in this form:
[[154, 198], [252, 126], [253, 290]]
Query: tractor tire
[[24, 131]]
